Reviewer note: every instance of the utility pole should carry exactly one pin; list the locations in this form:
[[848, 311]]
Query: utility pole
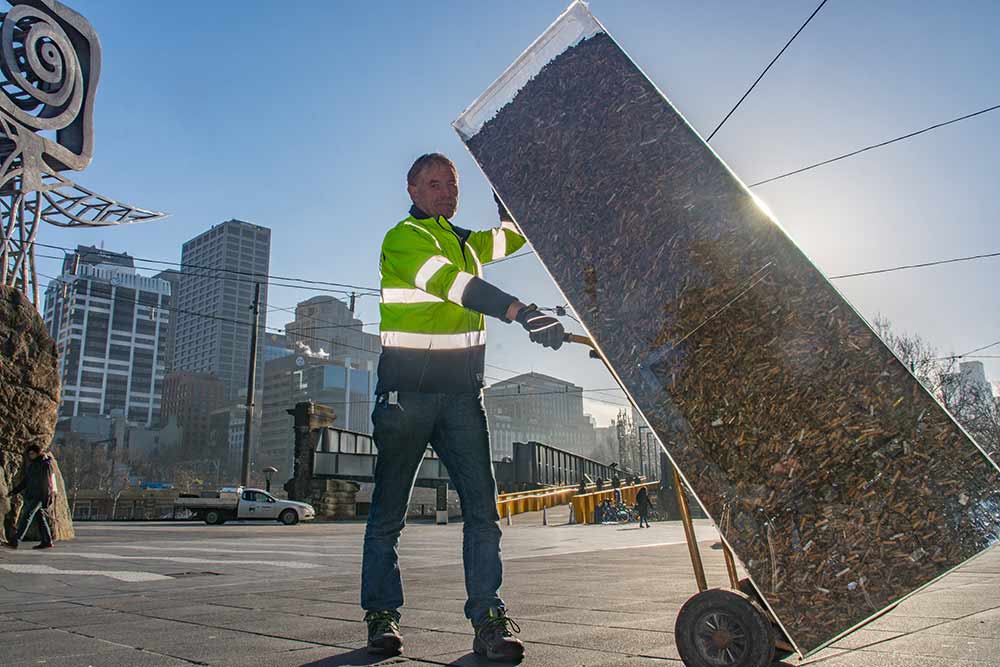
[[354, 298], [251, 380]]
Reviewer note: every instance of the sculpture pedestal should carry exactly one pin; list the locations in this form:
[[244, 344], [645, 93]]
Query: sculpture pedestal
[[29, 400]]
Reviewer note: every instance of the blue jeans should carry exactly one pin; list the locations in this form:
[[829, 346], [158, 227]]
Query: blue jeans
[[32, 508], [455, 425]]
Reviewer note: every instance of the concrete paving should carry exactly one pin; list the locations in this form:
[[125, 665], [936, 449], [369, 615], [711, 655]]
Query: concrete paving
[[261, 594]]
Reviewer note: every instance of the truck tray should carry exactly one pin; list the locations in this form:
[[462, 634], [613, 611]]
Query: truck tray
[[847, 485]]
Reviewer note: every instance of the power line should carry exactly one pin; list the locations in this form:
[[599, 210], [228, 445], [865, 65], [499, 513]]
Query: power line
[[980, 349], [509, 257], [874, 146], [255, 275], [915, 266], [757, 80], [171, 309], [333, 325], [537, 393], [901, 267], [278, 330], [243, 281]]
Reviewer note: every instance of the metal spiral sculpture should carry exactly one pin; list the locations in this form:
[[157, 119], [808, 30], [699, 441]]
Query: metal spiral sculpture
[[50, 63]]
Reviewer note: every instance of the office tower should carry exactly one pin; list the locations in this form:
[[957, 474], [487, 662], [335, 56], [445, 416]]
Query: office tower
[[329, 323], [172, 276], [537, 407], [111, 327], [191, 398], [218, 271]]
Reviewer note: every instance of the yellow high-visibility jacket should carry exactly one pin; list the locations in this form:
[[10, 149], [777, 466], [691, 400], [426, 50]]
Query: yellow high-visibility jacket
[[434, 300]]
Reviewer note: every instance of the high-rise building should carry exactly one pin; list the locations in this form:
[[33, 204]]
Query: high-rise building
[[111, 327], [218, 271], [190, 398], [343, 383], [535, 407], [172, 276], [327, 325], [275, 346]]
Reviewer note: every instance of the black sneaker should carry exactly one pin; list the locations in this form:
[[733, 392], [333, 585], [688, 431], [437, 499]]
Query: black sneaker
[[43, 546], [383, 633], [495, 638], [9, 545]]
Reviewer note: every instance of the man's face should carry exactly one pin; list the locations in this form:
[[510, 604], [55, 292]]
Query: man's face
[[436, 190], [32, 455]]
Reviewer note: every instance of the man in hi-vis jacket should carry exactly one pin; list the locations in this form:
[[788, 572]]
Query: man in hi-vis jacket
[[430, 379]]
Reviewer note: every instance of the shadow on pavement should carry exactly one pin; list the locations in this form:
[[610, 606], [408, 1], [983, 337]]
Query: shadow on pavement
[[473, 660], [355, 658]]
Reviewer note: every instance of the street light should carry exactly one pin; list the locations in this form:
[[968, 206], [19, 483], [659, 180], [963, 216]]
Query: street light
[[268, 472]]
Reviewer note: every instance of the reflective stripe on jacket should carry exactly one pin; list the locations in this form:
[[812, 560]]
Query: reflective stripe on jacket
[[433, 303]]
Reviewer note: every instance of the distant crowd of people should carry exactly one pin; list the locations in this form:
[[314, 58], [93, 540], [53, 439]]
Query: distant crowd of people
[[608, 511]]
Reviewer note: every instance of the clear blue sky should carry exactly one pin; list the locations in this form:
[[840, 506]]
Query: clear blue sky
[[303, 116]]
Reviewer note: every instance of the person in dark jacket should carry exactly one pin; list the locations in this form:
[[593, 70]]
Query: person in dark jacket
[[38, 486], [642, 506]]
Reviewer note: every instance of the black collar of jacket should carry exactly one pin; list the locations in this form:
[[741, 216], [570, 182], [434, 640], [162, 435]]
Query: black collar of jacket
[[419, 214]]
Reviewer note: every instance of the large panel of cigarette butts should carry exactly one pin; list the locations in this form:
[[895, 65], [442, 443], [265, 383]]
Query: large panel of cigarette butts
[[840, 483]]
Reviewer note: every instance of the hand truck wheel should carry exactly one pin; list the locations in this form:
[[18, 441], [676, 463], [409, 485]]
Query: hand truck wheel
[[724, 628], [780, 652]]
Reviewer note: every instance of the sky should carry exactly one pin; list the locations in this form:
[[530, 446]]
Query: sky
[[303, 116]]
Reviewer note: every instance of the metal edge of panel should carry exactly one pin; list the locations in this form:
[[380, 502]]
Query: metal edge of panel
[[573, 25], [892, 605]]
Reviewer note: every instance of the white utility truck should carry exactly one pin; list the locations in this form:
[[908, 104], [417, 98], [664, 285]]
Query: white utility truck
[[244, 504]]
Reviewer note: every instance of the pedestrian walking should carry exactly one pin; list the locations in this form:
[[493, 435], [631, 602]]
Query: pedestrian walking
[[38, 487], [642, 506]]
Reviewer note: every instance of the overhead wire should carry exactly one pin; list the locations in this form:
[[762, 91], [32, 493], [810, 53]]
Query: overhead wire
[[908, 135], [252, 274], [333, 325], [245, 281], [915, 266], [980, 349], [920, 265], [761, 76], [231, 320]]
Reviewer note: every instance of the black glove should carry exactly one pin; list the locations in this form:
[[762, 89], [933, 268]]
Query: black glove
[[542, 329], [501, 209]]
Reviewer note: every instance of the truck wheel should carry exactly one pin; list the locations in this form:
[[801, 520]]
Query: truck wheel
[[214, 518], [723, 628], [289, 517]]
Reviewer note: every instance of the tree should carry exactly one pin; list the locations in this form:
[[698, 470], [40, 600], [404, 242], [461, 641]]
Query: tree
[[965, 394]]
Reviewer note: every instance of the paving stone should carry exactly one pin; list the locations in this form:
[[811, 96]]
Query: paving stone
[[47, 644], [873, 659], [317, 657], [125, 657], [985, 624], [67, 617], [280, 625], [184, 640], [941, 646], [558, 655], [12, 625], [947, 604], [900, 623]]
